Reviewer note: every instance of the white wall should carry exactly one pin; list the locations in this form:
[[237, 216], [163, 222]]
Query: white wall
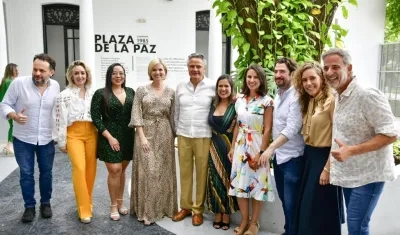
[[168, 24], [25, 31], [366, 25]]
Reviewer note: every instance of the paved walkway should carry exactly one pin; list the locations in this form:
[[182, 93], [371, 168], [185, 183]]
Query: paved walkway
[[65, 220]]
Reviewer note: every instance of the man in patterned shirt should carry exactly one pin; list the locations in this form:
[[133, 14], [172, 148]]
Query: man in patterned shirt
[[363, 131]]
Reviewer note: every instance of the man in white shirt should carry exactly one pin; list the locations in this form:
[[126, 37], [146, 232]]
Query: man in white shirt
[[288, 144], [363, 131], [192, 105], [29, 102]]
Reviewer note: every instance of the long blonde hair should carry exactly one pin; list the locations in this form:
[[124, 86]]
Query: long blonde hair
[[304, 97], [8, 72]]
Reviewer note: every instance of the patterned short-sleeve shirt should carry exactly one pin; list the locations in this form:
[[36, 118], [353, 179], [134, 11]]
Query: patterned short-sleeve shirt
[[360, 114]]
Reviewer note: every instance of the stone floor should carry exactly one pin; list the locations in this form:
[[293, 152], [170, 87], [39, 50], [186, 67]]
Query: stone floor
[[65, 220]]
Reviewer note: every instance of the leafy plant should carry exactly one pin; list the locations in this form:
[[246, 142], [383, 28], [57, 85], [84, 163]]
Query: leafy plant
[[396, 152], [264, 30], [392, 27]]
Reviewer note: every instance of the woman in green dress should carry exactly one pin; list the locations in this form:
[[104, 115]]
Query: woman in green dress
[[222, 119], [111, 113], [10, 73]]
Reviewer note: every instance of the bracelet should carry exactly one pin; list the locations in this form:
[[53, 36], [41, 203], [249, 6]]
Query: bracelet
[[326, 169]]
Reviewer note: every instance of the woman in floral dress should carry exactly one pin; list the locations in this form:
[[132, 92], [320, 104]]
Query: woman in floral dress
[[249, 180]]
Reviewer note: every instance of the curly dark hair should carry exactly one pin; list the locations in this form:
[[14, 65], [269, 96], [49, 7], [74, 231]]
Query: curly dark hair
[[304, 97]]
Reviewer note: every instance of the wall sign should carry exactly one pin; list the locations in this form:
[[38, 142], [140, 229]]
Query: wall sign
[[123, 44]]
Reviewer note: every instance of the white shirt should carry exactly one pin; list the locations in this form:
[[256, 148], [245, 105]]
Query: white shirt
[[360, 114], [70, 108], [23, 94], [192, 107], [288, 121]]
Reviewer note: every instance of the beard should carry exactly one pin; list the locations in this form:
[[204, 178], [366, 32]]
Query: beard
[[341, 80], [41, 82]]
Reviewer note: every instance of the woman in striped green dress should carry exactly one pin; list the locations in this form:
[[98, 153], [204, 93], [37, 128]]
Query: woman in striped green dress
[[222, 119]]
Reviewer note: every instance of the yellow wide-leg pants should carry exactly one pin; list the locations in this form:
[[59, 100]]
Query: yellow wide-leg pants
[[81, 147]]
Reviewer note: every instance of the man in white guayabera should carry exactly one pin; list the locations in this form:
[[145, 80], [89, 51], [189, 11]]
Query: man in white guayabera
[[192, 104]]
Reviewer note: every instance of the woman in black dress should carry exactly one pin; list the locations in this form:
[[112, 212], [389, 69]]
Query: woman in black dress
[[111, 112], [320, 208]]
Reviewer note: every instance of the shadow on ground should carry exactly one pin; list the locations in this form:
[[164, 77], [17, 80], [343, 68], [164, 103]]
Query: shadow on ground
[[65, 219]]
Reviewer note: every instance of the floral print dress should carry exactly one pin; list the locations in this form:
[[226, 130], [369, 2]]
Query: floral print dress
[[247, 182]]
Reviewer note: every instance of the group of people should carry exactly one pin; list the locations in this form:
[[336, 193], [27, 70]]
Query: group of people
[[320, 133]]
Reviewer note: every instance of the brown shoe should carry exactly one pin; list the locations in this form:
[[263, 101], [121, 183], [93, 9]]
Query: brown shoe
[[197, 219], [181, 215]]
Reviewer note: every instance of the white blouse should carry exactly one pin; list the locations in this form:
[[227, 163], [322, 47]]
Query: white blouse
[[70, 108]]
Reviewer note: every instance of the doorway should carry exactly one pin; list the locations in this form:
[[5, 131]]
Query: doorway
[[61, 37]]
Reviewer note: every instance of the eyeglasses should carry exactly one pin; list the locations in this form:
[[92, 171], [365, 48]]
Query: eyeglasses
[[196, 55], [116, 74]]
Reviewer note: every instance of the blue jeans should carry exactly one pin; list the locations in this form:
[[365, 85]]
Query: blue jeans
[[360, 203], [288, 180], [25, 157]]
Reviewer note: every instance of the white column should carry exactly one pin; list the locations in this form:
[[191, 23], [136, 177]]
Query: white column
[[214, 46], [234, 56], [86, 35], [3, 44]]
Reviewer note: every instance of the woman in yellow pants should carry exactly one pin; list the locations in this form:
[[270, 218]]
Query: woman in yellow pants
[[76, 135]]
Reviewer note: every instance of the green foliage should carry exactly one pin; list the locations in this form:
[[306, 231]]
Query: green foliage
[[392, 27], [265, 30], [396, 152]]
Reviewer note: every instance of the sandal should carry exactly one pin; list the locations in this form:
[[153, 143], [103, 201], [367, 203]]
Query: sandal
[[248, 232], [114, 215], [7, 151], [217, 224], [225, 225], [122, 210], [86, 220], [147, 223], [238, 231]]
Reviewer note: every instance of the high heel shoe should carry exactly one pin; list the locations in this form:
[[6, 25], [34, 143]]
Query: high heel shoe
[[225, 225], [122, 210], [114, 215], [248, 232]]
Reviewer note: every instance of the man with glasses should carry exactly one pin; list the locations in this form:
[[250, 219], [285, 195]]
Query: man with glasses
[[192, 105], [29, 103]]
